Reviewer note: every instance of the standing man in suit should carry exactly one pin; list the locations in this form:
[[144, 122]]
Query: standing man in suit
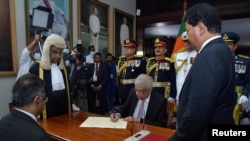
[[162, 70], [96, 88], [143, 105], [111, 81], [28, 98], [207, 96], [129, 67], [242, 76]]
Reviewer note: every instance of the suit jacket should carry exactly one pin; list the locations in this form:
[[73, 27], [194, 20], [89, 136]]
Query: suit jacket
[[102, 74], [18, 126], [207, 95], [157, 108]]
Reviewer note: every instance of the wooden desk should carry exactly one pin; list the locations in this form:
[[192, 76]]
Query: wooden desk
[[67, 127]]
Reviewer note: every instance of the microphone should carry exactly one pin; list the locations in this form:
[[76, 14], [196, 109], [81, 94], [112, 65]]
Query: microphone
[[131, 129], [143, 122]]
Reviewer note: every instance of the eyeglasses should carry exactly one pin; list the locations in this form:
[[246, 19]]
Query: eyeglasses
[[45, 99]]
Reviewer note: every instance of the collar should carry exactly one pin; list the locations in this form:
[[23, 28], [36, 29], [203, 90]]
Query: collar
[[158, 58], [129, 57], [27, 113], [207, 41]]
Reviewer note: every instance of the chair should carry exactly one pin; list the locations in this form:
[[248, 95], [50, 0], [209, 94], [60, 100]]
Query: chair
[[11, 106], [170, 109]]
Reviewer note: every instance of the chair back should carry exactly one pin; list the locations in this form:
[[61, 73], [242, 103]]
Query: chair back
[[10, 106], [170, 110]]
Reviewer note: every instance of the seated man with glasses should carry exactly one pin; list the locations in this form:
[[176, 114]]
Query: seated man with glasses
[[28, 99], [143, 104]]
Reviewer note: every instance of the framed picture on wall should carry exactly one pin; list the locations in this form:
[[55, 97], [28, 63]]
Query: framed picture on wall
[[8, 59], [49, 16], [93, 25], [124, 28]]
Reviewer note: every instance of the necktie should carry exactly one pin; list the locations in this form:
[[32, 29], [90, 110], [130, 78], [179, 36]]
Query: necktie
[[141, 110], [96, 69]]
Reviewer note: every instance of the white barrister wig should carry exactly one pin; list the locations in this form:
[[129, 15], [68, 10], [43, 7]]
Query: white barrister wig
[[52, 40]]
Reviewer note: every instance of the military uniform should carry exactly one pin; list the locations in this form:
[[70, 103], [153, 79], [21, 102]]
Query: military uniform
[[128, 70], [163, 73], [183, 62], [242, 77]]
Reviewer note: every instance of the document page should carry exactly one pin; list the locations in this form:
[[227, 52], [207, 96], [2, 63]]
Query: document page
[[103, 122]]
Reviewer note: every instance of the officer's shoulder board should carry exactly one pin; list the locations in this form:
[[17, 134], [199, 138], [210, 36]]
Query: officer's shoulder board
[[244, 56], [121, 57], [150, 59], [168, 59]]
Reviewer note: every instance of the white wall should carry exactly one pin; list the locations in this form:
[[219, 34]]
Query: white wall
[[6, 83]]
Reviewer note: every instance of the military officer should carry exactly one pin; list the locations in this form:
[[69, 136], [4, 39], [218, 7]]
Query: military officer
[[162, 70], [242, 75], [129, 67], [183, 61]]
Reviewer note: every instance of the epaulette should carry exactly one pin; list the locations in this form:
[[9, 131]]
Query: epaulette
[[150, 58], [122, 57], [244, 56], [167, 58]]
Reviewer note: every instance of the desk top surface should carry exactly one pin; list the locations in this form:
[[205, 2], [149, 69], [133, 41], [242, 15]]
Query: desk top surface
[[67, 127]]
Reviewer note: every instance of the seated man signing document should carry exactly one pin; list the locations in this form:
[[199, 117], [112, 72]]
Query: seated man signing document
[[143, 104]]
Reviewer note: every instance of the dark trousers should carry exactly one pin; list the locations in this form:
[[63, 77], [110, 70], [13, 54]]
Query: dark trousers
[[92, 97]]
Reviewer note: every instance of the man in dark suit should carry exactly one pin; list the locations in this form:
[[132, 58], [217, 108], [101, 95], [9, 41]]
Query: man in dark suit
[[207, 96], [96, 87], [28, 98], [142, 98]]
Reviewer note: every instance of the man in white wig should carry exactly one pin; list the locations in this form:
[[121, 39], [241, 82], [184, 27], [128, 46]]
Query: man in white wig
[[52, 70]]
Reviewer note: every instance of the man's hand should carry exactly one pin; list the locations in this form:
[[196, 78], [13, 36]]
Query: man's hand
[[115, 117]]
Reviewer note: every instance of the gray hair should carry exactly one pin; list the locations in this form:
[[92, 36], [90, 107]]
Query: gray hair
[[144, 79], [26, 88]]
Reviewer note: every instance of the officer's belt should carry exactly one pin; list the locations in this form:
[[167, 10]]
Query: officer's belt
[[165, 85], [238, 89], [127, 81], [160, 84]]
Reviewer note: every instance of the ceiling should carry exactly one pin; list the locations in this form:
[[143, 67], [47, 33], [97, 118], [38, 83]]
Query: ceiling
[[240, 26]]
